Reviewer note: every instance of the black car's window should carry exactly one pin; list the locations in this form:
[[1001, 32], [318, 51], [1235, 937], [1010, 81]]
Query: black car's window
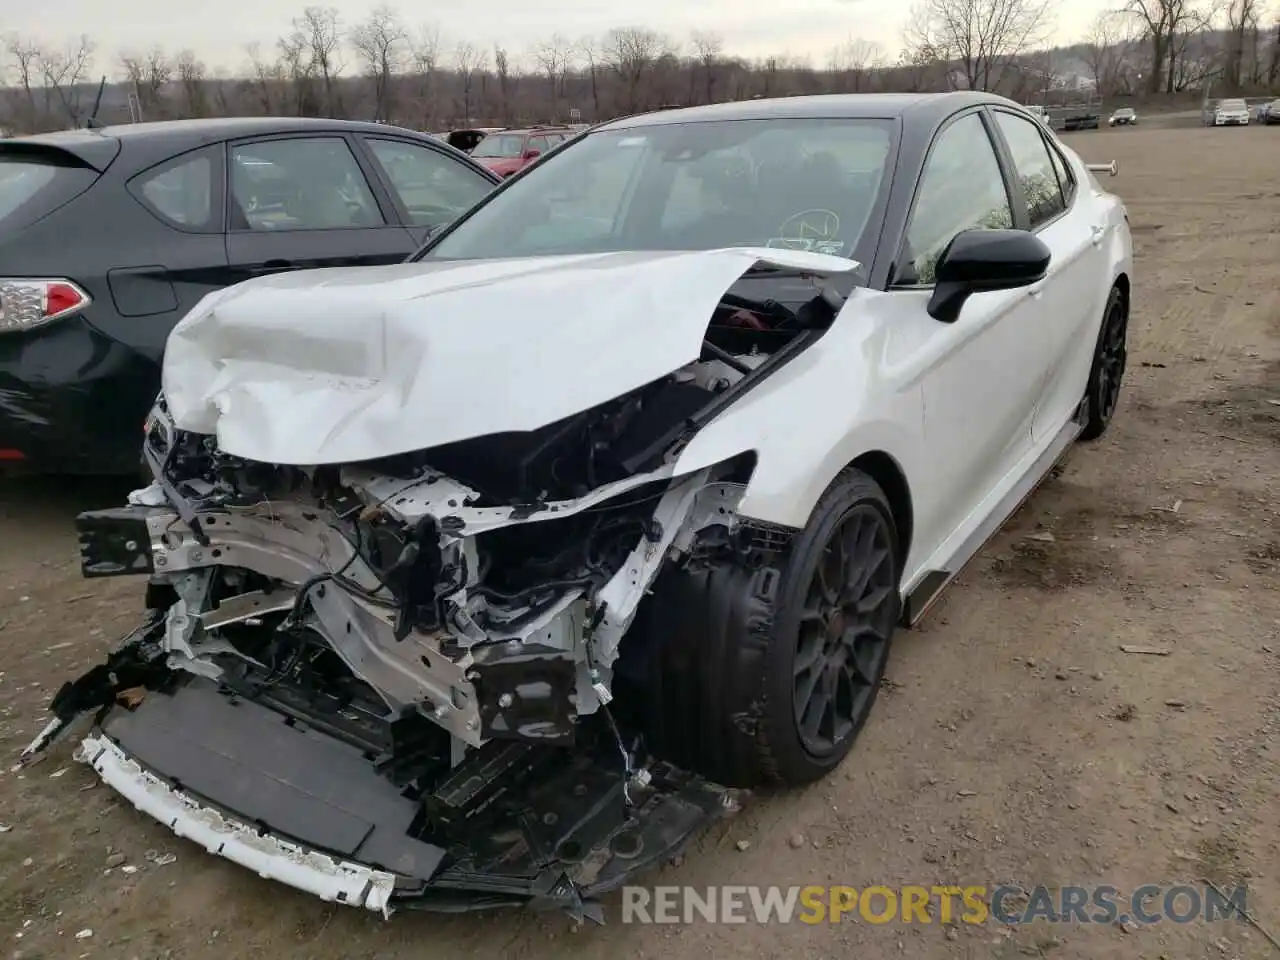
[[809, 184], [307, 183], [961, 188], [433, 187], [32, 186], [180, 191], [1033, 166]]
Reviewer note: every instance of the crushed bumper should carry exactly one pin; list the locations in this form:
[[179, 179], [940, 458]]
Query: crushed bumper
[[268, 856], [309, 810]]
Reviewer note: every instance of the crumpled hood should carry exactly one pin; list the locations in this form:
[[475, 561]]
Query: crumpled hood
[[350, 364]]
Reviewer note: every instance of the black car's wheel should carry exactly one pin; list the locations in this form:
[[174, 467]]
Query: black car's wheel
[[1106, 375], [768, 675]]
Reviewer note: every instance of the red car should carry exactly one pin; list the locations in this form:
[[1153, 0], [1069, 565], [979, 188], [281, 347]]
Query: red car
[[507, 151]]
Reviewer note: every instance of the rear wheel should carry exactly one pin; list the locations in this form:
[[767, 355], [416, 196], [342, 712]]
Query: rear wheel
[[1102, 393], [768, 675]]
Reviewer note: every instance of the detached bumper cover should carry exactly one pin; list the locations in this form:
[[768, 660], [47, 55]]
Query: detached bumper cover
[[266, 855], [298, 806]]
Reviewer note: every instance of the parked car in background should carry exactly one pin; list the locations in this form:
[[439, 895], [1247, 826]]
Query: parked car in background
[[1080, 116], [108, 237], [466, 140], [509, 151], [1232, 112], [1269, 113], [1124, 117]]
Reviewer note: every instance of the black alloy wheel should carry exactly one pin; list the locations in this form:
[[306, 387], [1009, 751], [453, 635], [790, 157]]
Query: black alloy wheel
[[844, 630], [1106, 376]]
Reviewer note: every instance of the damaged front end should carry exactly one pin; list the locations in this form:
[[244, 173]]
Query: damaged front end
[[425, 680]]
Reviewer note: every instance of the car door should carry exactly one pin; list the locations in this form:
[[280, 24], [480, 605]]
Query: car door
[[540, 145], [429, 187], [1072, 296], [159, 275], [981, 375], [300, 202]]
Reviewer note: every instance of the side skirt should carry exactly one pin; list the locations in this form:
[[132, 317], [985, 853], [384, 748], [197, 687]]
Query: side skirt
[[917, 603]]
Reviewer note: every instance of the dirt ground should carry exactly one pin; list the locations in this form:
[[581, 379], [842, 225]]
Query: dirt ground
[[1015, 742]]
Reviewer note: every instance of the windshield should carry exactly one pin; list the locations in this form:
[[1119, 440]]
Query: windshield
[[1232, 105], [808, 184], [506, 146]]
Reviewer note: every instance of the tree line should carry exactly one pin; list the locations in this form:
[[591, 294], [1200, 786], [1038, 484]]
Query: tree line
[[387, 69]]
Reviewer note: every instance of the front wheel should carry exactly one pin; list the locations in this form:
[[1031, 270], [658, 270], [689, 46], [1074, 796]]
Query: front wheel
[[767, 675], [1102, 392]]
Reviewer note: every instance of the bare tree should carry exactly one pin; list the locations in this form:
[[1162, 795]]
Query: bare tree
[[1242, 23], [468, 60], [852, 63], [1162, 22], [148, 73], [266, 79], [984, 36], [923, 64], [380, 43], [298, 69], [1106, 50], [590, 51], [631, 52], [506, 84], [1193, 57], [26, 60], [63, 71], [424, 55], [191, 79], [707, 51], [323, 32], [553, 58]]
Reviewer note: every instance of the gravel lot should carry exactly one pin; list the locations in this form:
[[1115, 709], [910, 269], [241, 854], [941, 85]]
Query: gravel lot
[[1015, 741]]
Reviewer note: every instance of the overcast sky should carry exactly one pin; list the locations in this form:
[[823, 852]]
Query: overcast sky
[[218, 31]]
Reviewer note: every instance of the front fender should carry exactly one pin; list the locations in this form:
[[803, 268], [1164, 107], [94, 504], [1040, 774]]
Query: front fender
[[835, 402]]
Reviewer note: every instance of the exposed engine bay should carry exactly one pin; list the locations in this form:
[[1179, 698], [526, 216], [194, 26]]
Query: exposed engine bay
[[472, 624]]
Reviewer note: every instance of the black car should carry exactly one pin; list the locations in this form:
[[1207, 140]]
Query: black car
[[108, 237]]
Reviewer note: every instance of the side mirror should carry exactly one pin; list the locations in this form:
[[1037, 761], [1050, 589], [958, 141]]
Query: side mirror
[[532, 154], [979, 261]]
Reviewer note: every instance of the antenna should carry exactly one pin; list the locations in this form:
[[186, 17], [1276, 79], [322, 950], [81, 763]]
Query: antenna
[[92, 122]]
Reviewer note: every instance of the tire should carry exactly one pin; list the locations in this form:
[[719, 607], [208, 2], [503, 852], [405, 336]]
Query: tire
[[724, 693], [1106, 373]]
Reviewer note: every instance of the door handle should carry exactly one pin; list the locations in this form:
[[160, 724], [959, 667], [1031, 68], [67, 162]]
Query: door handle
[[1098, 233], [1035, 291]]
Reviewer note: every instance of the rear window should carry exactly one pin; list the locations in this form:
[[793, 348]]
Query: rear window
[[33, 186]]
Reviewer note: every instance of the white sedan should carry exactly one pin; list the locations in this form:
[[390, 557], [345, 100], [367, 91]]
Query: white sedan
[[488, 578]]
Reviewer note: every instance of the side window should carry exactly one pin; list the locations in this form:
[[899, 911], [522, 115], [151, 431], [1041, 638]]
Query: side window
[[180, 192], [434, 188], [541, 144], [306, 183], [961, 188], [1034, 167], [1065, 176]]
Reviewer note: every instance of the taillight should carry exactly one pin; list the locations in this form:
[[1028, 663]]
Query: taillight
[[27, 304]]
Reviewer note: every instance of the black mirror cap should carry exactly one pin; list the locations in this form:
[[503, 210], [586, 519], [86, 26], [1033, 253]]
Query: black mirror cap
[[976, 261], [993, 259]]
